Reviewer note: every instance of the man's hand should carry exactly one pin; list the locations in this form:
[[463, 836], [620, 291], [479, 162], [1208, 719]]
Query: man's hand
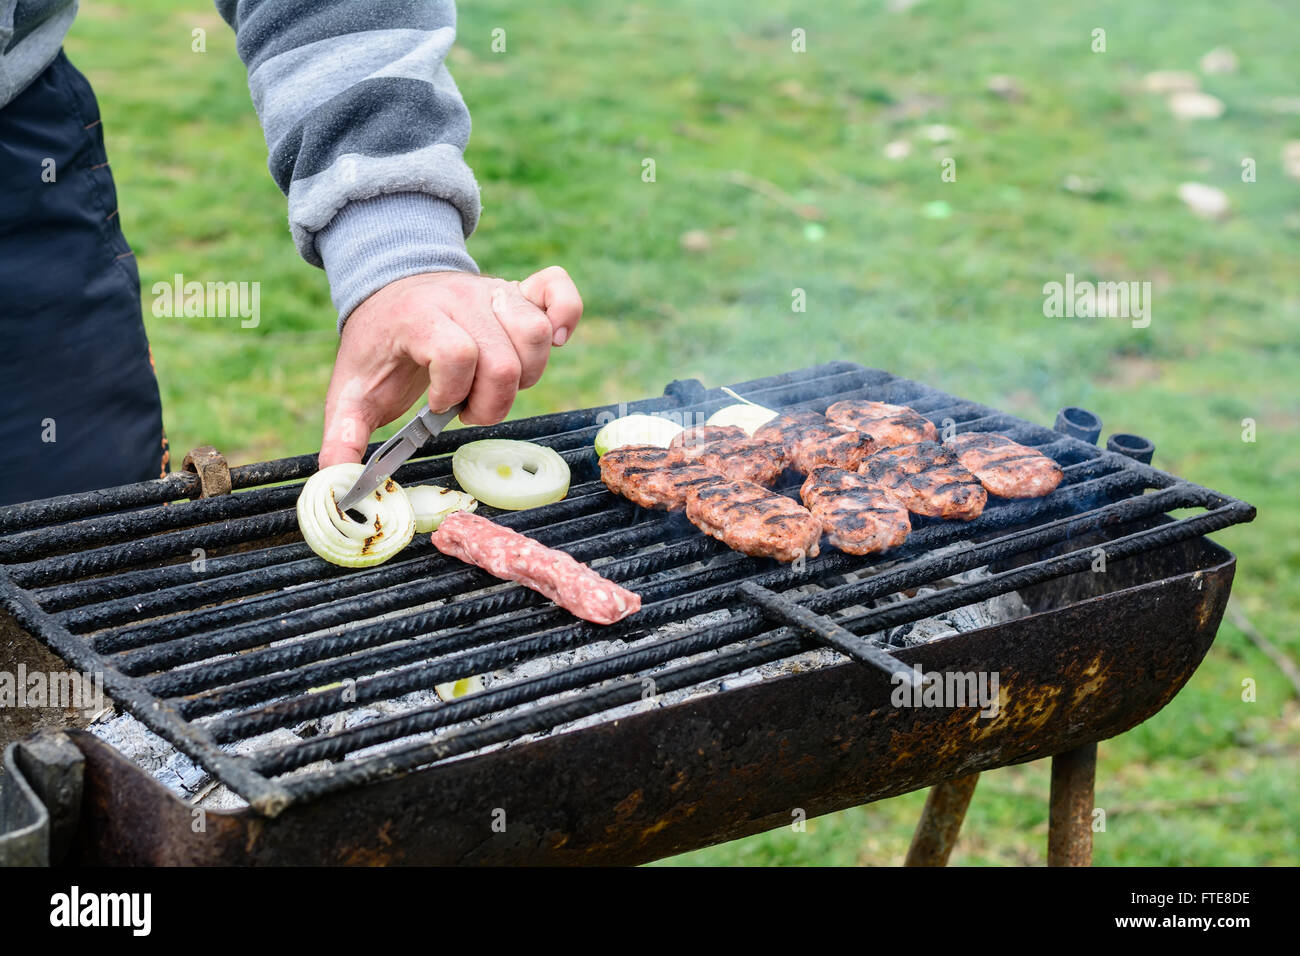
[[454, 335]]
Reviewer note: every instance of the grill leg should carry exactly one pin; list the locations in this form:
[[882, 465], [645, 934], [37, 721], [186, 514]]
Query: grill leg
[[945, 808], [1069, 828]]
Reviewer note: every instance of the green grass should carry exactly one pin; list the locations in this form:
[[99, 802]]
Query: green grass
[[587, 91]]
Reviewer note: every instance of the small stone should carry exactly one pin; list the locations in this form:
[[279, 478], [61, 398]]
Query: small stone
[[1291, 158], [938, 133], [696, 240], [1171, 81], [898, 149], [1082, 185], [1208, 202], [1194, 105], [1005, 87], [1219, 60]]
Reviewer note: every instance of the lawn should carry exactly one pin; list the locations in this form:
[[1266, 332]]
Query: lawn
[[771, 175]]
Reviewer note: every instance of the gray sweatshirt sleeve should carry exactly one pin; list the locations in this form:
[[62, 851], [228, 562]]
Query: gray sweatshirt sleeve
[[366, 133]]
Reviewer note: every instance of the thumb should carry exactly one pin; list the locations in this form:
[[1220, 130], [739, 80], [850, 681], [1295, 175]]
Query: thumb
[[347, 433]]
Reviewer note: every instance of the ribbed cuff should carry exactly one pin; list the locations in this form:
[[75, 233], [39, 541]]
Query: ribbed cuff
[[372, 242]]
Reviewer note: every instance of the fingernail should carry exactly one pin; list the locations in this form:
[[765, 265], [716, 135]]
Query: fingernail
[[561, 336]]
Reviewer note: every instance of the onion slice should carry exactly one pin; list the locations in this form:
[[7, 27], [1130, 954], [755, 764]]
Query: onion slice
[[512, 475], [432, 503], [459, 688], [745, 416], [636, 430], [387, 528]]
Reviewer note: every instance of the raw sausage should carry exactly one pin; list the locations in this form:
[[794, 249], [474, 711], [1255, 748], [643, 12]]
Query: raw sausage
[[512, 556]]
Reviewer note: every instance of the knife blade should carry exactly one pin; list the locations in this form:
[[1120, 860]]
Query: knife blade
[[389, 456]]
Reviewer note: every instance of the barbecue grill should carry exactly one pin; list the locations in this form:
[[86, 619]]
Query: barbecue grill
[[222, 656]]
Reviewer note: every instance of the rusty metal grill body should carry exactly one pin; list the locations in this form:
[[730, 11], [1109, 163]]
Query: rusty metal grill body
[[250, 639]]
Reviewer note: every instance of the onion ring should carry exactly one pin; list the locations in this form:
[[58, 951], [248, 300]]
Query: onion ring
[[512, 475], [387, 528]]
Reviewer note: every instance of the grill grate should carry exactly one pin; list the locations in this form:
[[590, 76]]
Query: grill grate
[[217, 654]]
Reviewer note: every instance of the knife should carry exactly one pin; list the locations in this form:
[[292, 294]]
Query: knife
[[389, 456]]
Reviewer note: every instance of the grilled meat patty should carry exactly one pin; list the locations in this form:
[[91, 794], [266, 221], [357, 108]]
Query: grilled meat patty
[[727, 450], [844, 450], [1006, 468], [791, 428], [889, 425], [651, 476], [928, 479], [754, 520], [810, 440], [857, 515], [691, 442], [745, 459]]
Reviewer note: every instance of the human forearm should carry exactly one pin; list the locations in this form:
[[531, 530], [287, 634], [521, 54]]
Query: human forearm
[[365, 130]]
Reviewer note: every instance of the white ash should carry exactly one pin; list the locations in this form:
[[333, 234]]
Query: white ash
[[192, 783]]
